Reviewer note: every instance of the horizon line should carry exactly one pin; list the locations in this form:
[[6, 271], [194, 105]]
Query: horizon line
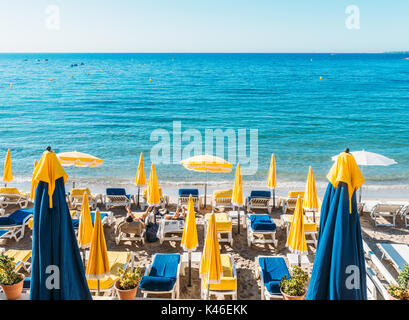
[[182, 52]]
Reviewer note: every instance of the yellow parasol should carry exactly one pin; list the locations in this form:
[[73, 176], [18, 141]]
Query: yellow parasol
[[189, 238], [310, 194], [237, 197], [98, 264], [85, 226], [211, 269], [296, 241], [8, 171], [207, 163], [140, 180], [272, 178]]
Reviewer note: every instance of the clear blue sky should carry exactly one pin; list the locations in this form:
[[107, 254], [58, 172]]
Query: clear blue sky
[[204, 26]]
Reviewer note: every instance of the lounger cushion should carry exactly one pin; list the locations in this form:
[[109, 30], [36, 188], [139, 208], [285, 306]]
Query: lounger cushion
[[16, 218], [188, 192], [160, 284], [9, 191], [222, 221], [227, 281], [273, 269], [308, 226], [222, 193], [262, 222], [295, 194], [80, 192], [260, 194], [117, 192]]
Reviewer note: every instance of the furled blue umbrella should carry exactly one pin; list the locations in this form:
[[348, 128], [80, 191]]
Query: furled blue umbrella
[[339, 265], [57, 272]]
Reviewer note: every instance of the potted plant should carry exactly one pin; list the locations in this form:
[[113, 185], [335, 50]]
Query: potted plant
[[294, 287], [400, 291], [127, 284], [10, 281]]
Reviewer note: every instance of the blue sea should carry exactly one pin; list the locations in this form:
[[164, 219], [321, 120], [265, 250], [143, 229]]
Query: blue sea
[[304, 108]]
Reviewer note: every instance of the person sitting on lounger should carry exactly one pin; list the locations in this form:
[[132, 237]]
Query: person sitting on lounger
[[176, 215]]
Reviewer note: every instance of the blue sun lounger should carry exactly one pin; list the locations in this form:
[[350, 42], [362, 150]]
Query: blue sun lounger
[[162, 276], [117, 197], [259, 199], [260, 225], [15, 223], [271, 270], [4, 233], [106, 218], [184, 195], [397, 253]]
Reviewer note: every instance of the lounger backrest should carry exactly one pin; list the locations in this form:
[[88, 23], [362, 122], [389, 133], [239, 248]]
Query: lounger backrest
[[9, 191], [260, 194], [222, 193], [18, 217], [295, 194], [226, 265], [116, 192], [188, 192], [387, 208], [273, 268], [165, 265]]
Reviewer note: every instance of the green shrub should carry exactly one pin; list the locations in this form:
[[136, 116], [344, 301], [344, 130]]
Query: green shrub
[[401, 291], [7, 275], [128, 279], [295, 286]]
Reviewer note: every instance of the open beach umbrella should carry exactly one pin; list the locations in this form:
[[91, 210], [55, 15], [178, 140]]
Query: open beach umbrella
[[140, 180], [8, 171], [272, 178], [152, 192], [310, 194], [296, 241], [339, 266], [189, 237], [365, 158], [237, 198], [211, 269], [79, 159], [207, 163], [55, 253], [98, 264], [85, 226]]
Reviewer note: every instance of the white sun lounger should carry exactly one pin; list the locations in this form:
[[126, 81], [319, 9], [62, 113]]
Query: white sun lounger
[[386, 211], [404, 214], [397, 253], [170, 230], [251, 233], [12, 196]]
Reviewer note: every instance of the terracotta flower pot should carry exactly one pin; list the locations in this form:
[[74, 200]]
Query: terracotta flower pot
[[288, 297], [125, 294], [13, 292]]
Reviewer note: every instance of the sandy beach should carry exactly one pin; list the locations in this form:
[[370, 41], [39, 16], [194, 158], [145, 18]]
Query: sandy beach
[[244, 257]]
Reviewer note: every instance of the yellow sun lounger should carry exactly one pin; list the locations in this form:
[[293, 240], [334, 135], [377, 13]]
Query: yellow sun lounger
[[21, 258], [310, 228], [224, 225], [76, 195], [12, 196], [117, 260], [222, 200], [288, 203], [228, 282]]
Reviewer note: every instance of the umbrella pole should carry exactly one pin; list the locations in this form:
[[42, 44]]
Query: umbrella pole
[[208, 291], [83, 256], [299, 260], [238, 219], [137, 201], [190, 269], [205, 192], [98, 287], [274, 198]]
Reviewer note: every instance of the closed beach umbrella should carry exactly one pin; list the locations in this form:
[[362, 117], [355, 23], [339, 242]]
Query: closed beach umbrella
[[140, 180], [98, 264], [207, 163], [365, 158], [237, 197], [272, 178], [152, 192], [54, 245], [339, 265], [211, 269], [8, 171], [85, 226], [189, 238], [310, 194], [296, 241], [79, 159]]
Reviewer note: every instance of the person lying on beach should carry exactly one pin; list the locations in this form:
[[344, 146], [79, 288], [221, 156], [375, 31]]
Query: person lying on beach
[[177, 215], [133, 225]]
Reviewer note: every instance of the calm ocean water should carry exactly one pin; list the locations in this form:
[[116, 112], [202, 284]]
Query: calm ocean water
[[108, 107]]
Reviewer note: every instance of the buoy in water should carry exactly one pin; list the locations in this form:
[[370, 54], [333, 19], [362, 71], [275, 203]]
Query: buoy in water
[[150, 80], [320, 78], [11, 85], [51, 79], [173, 60]]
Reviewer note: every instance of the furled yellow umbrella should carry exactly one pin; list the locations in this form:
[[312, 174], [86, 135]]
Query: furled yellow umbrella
[[79, 159], [98, 264], [140, 180], [296, 241], [152, 191], [310, 195], [211, 269], [272, 178], [8, 171], [237, 198], [207, 163], [85, 226], [189, 238]]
